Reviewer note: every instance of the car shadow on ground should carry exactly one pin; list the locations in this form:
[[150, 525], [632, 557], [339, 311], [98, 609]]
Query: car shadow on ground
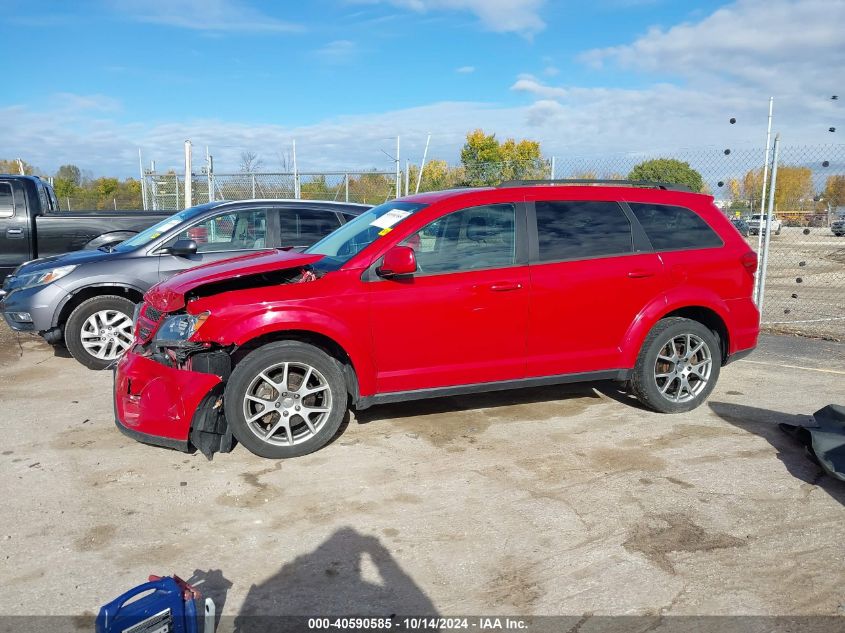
[[488, 400], [348, 574], [764, 422]]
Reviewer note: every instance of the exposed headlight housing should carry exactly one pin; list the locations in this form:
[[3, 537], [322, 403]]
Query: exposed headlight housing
[[176, 330], [40, 278]]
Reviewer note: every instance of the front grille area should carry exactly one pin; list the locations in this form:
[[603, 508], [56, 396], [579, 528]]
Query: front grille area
[[152, 314], [147, 324]]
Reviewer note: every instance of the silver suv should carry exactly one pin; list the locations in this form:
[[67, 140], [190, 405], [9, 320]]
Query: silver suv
[[87, 298]]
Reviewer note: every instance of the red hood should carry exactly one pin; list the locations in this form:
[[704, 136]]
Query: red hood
[[169, 295]]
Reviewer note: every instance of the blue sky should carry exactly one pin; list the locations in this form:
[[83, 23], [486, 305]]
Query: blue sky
[[91, 81]]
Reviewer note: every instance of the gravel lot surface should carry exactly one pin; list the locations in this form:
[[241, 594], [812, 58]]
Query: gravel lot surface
[[560, 500]]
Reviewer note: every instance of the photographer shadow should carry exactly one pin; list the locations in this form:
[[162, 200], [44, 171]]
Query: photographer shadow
[[349, 574]]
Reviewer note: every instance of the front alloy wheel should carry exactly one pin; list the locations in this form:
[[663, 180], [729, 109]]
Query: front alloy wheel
[[285, 399], [107, 334], [99, 330], [287, 404]]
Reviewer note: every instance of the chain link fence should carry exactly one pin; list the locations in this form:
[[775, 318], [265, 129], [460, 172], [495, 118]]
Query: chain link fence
[[167, 191], [805, 276]]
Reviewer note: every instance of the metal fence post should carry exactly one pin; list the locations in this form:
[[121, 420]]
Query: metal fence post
[[763, 194], [253, 186], [769, 212], [176, 178], [552, 175], [346, 185]]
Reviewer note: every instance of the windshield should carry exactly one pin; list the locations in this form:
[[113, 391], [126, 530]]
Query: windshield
[[350, 239], [156, 230]]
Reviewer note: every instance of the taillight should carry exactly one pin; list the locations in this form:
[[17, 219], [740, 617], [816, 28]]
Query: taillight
[[749, 261]]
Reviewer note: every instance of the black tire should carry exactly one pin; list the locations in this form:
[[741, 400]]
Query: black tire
[[643, 381], [73, 329], [262, 360]]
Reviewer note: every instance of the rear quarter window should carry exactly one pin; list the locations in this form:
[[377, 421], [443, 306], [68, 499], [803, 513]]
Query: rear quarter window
[[670, 227], [568, 230]]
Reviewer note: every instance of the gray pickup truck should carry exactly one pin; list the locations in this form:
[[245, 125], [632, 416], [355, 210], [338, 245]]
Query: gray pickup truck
[[32, 226]]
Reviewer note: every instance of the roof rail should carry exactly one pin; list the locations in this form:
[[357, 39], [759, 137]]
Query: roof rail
[[668, 186]]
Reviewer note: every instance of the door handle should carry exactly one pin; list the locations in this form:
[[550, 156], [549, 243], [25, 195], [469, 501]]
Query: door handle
[[14, 234], [639, 274], [505, 286]]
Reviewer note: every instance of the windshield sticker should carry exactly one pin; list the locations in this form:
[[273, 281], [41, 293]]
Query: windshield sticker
[[390, 218]]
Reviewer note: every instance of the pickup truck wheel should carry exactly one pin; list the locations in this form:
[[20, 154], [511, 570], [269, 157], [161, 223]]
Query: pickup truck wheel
[[285, 399], [677, 367], [99, 330]]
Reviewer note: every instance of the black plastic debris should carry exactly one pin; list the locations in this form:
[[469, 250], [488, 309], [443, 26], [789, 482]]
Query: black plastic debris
[[831, 129], [835, 97], [802, 264], [721, 183], [823, 439], [727, 151], [794, 295], [825, 163], [733, 120], [806, 231], [786, 310], [798, 280]]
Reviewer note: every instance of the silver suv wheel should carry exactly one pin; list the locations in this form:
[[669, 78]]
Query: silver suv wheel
[[106, 334]]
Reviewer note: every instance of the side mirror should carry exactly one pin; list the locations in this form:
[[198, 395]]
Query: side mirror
[[398, 261], [183, 248]]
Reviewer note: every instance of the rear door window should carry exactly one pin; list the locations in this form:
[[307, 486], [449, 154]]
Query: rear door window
[[581, 229], [240, 230], [672, 227], [303, 227]]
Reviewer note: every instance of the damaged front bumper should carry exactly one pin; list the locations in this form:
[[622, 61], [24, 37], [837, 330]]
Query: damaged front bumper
[[165, 406]]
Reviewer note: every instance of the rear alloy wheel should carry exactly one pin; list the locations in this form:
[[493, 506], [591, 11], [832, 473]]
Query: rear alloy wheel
[[285, 399], [99, 330], [677, 367]]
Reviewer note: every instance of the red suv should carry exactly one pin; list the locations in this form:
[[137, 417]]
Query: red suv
[[440, 294]]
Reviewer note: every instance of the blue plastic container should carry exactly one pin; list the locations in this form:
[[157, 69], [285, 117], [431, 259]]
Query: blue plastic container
[[168, 607]]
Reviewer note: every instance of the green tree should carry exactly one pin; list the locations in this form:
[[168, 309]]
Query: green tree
[[317, 188], [106, 187], [668, 170], [486, 161], [793, 191], [70, 173], [11, 166], [834, 191]]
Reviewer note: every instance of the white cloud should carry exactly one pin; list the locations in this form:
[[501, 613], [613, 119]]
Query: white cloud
[[776, 45], [202, 15], [568, 120], [338, 51], [501, 16], [75, 102], [465, 70], [550, 71]]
